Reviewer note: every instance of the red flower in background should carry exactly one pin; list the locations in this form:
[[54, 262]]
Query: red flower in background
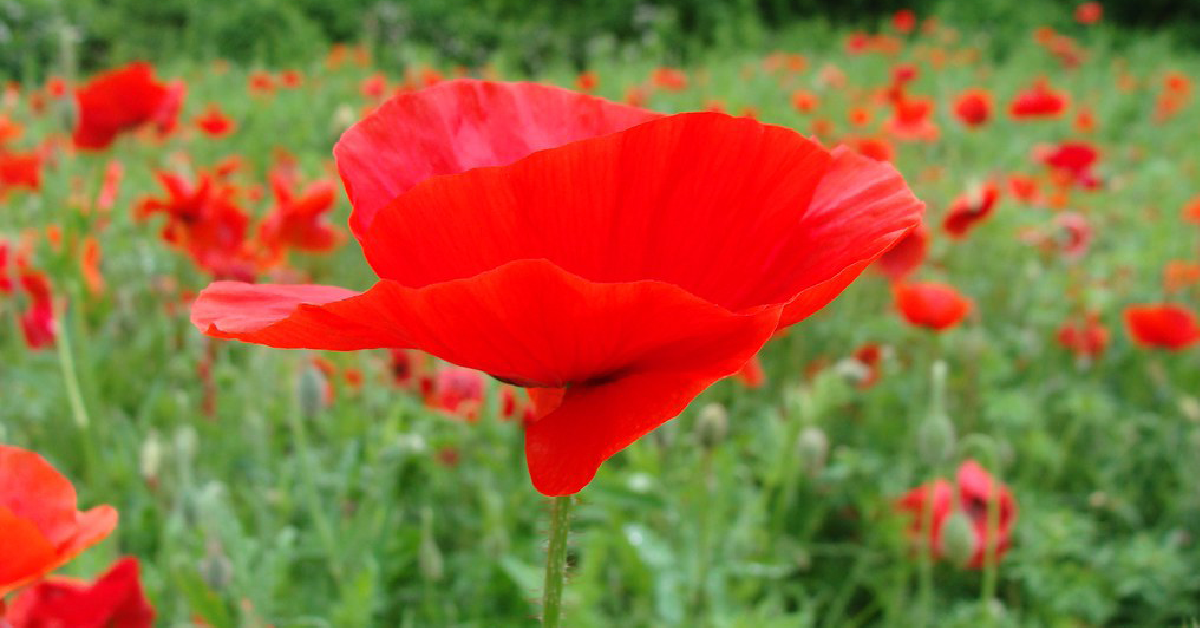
[[587, 81], [1089, 13], [1077, 234], [20, 170], [909, 253], [977, 493], [37, 321], [40, 530], [1191, 210], [114, 600], [477, 266], [932, 305], [214, 122], [670, 79], [752, 374], [805, 101], [121, 100], [298, 220], [205, 221], [1163, 326], [971, 208], [973, 107], [910, 120], [904, 21], [457, 391], [1087, 337], [1037, 102], [1074, 160]]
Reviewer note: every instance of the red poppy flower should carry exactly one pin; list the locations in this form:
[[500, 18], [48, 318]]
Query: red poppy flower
[[876, 148], [89, 265], [910, 120], [616, 318], [1085, 121], [291, 79], [1075, 161], [868, 356], [904, 20], [40, 530], [1039, 101], [261, 82], [1077, 234], [20, 170], [37, 321], [1089, 13], [1163, 326], [805, 101], [932, 305], [1191, 210], [977, 493], [123, 99], [114, 600], [457, 391], [203, 220], [1024, 188], [9, 130], [1086, 338], [587, 81], [970, 209], [973, 107], [670, 79], [909, 253], [214, 122], [298, 219]]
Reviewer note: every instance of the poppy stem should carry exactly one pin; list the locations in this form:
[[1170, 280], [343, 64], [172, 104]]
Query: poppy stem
[[556, 560], [70, 378]]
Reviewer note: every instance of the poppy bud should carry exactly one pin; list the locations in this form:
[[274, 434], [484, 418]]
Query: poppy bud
[[712, 425], [216, 568], [813, 447], [935, 438], [958, 539], [429, 557], [310, 391], [151, 458], [185, 444]]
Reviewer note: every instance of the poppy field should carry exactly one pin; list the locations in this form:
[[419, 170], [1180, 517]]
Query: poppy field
[[889, 327]]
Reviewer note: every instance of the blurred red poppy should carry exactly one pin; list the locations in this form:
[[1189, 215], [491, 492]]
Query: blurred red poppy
[[123, 99], [904, 21], [868, 355], [1191, 210], [1180, 274], [1089, 13], [205, 221], [971, 208], [1038, 101], [478, 267], [20, 171], [114, 600], [214, 122], [670, 79], [973, 107], [1075, 161], [932, 305], [1087, 337], [805, 101], [909, 253], [40, 530], [977, 493], [911, 120], [752, 374], [37, 322], [298, 220], [1162, 326], [587, 81], [1077, 234], [457, 391]]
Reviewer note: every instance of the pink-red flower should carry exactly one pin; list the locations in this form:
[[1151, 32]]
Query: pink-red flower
[[974, 495], [971, 209], [596, 260]]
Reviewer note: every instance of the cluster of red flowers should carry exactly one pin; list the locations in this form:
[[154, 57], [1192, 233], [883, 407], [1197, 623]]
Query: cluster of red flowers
[[987, 508], [40, 531]]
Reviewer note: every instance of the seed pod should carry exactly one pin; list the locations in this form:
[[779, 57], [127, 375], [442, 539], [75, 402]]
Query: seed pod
[[813, 447], [713, 425]]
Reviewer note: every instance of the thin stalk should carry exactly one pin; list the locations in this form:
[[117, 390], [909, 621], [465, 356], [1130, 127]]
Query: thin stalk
[[556, 560], [70, 377]]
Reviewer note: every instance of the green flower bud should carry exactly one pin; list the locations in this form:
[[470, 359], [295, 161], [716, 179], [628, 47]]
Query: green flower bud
[[712, 425], [958, 539]]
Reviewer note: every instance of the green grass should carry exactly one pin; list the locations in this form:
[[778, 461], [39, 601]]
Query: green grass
[[272, 513]]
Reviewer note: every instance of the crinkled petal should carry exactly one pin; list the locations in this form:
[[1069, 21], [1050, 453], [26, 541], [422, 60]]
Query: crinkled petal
[[463, 124]]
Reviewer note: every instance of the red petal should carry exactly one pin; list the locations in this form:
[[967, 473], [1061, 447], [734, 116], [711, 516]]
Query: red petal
[[27, 554], [528, 322], [463, 124]]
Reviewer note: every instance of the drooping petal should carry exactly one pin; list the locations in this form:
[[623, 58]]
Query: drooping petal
[[527, 322], [462, 124], [26, 552]]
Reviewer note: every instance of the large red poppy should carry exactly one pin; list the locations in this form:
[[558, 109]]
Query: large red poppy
[[40, 529], [616, 274], [114, 600], [122, 99], [1162, 326]]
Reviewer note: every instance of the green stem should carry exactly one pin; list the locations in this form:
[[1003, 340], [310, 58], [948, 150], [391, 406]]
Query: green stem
[[556, 560], [70, 378]]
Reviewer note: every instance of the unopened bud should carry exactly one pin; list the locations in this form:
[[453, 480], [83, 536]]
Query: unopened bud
[[935, 439], [151, 457], [958, 539], [215, 568], [712, 425], [429, 557], [813, 447], [311, 391]]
